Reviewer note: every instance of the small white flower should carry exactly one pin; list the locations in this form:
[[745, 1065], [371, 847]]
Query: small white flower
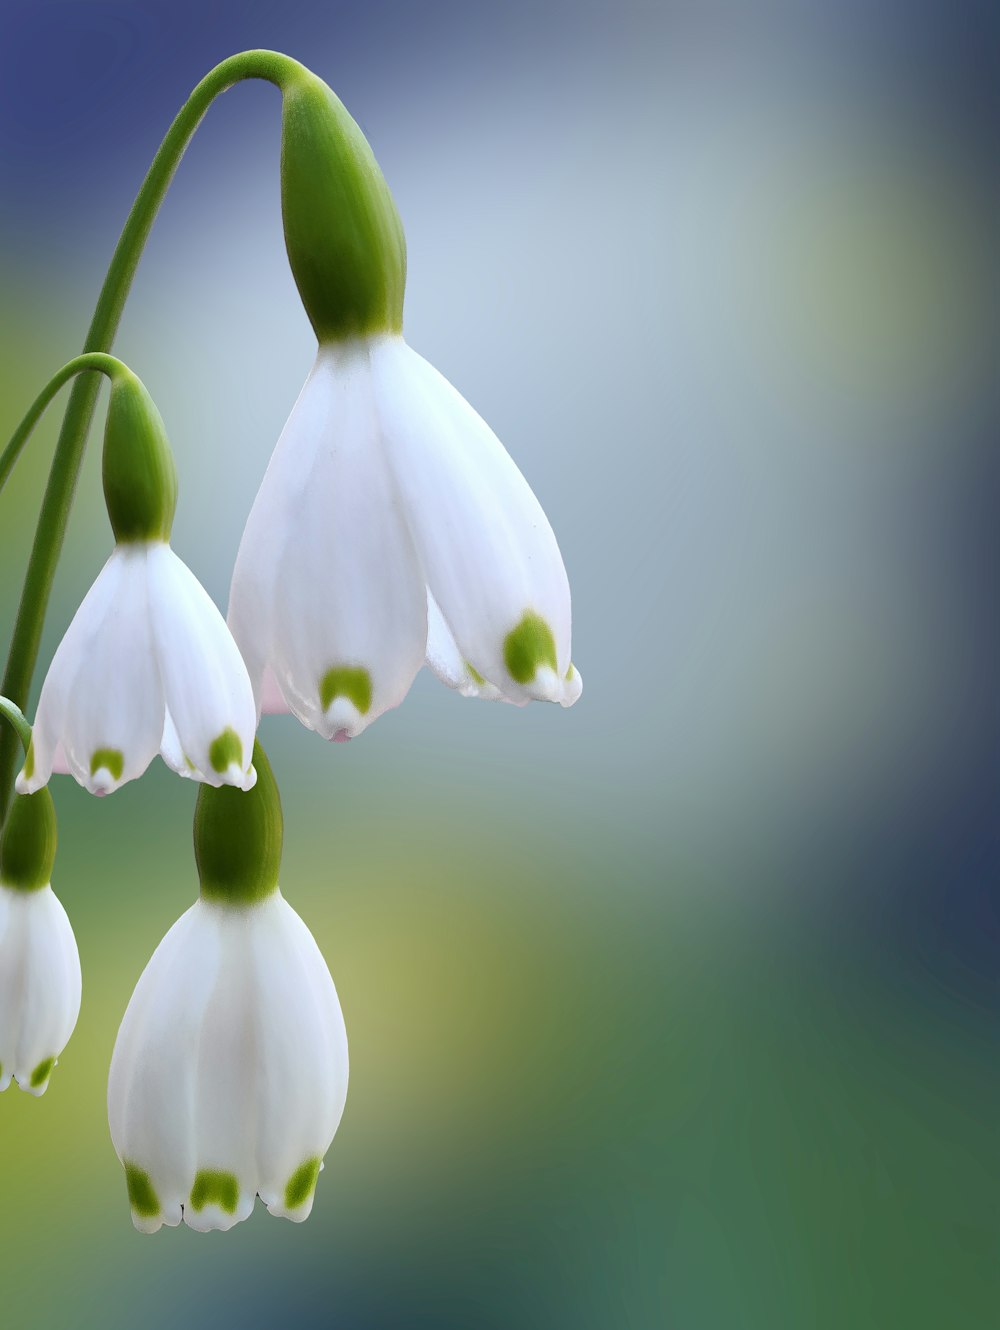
[[392, 527], [146, 665], [39, 985], [229, 1073]]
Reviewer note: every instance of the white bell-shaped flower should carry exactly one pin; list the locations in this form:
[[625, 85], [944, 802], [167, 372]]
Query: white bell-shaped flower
[[40, 985], [146, 665], [392, 527], [40, 982], [229, 1073]]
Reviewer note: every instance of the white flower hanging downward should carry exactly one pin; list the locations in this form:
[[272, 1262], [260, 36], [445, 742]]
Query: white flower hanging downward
[[229, 1073], [40, 981], [147, 663], [391, 526]]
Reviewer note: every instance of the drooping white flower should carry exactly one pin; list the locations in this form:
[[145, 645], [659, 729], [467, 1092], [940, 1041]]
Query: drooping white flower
[[229, 1073], [392, 527], [40, 985], [146, 665]]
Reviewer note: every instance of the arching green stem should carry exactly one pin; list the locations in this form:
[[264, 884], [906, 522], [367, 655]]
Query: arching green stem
[[13, 713], [95, 360], [274, 68]]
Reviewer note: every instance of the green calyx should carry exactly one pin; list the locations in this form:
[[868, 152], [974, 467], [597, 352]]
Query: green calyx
[[28, 843], [140, 481], [237, 838], [342, 231]]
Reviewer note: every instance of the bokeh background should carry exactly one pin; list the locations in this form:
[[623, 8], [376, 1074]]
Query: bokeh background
[[680, 1009]]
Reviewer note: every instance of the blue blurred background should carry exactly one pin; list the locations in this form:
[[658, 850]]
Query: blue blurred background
[[680, 1009]]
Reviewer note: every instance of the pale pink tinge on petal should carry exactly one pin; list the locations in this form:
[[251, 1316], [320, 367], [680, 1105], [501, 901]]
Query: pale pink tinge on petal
[[272, 700]]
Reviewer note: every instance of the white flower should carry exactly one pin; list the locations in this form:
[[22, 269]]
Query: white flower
[[229, 1074], [391, 527], [147, 664], [39, 985]]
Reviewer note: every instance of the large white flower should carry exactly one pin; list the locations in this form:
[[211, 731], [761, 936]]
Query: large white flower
[[229, 1074], [39, 985], [147, 664], [392, 527]]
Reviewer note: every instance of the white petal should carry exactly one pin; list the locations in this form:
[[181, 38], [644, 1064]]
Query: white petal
[[205, 683], [303, 1062], [40, 986], [445, 659], [350, 620], [272, 699], [227, 1070], [253, 588], [152, 1083], [172, 750], [486, 546], [102, 697]]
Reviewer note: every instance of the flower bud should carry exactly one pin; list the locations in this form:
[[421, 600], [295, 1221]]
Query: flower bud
[[140, 481], [342, 231]]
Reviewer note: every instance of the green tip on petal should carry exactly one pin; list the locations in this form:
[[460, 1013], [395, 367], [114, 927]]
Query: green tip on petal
[[302, 1183], [29, 761], [474, 674], [214, 1187], [141, 1195], [350, 681], [111, 759], [225, 750], [527, 647], [42, 1072]]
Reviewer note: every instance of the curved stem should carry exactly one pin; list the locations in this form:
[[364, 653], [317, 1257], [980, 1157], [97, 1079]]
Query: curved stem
[[96, 360], [269, 65], [12, 712]]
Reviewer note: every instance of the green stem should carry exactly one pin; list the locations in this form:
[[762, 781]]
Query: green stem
[[97, 360], [269, 65], [12, 712]]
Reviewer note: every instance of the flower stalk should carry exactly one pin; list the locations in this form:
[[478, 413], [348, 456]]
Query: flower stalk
[[271, 66]]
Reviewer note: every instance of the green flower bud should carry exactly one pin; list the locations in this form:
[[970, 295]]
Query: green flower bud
[[237, 838], [28, 843], [342, 231], [140, 482]]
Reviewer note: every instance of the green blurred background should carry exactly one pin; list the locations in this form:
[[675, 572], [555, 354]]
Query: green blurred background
[[679, 1009]]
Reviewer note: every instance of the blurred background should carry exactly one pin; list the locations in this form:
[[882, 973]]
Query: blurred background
[[679, 1009]]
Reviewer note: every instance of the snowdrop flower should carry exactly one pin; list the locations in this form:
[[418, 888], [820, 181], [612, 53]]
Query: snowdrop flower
[[391, 526], [229, 1073], [39, 962], [147, 663]]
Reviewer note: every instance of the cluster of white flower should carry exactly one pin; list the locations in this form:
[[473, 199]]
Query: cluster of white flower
[[391, 528]]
